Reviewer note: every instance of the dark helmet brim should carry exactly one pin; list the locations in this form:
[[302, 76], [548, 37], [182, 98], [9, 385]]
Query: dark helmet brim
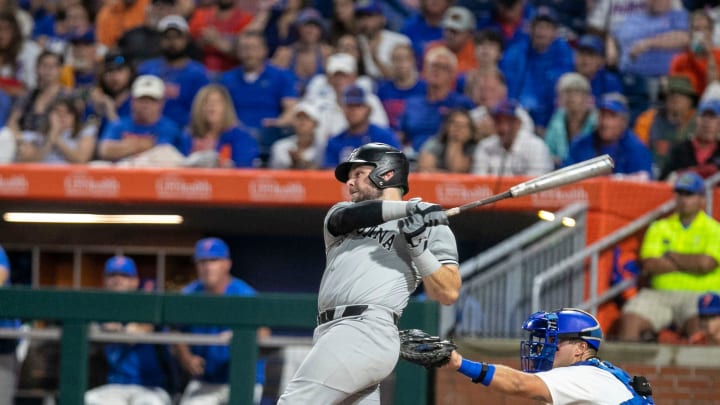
[[342, 171]]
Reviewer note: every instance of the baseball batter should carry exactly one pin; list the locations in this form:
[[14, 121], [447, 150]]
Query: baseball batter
[[378, 248]]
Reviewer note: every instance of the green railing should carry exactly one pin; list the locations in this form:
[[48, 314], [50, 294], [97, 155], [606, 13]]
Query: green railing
[[77, 309]]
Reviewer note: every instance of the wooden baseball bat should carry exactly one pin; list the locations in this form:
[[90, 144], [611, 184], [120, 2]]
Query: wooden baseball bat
[[598, 166]]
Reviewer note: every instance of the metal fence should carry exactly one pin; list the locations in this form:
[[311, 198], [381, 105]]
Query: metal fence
[[495, 297]]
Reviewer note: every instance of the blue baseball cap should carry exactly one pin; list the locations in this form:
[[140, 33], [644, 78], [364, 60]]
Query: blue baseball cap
[[546, 14], [709, 304], [308, 16], [508, 108], [614, 102], [211, 248], [690, 182], [120, 265], [712, 106], [354, 95], [367, 7], [592, 43]]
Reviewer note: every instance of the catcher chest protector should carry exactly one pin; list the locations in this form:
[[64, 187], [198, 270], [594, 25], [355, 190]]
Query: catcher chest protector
[[385, 158], [638, 385]]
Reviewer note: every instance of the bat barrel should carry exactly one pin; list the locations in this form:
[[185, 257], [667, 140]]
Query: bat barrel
[[598, 166]]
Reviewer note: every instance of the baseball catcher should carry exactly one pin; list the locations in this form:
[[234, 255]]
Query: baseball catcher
[[419, 347]]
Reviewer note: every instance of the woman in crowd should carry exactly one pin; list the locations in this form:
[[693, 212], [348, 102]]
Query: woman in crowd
[[31, 112], [453, 148], [18, 57], [214, 127], [64, 140], [343, 21]]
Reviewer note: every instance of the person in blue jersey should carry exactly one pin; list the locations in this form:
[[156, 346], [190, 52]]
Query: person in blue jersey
[[613, 137], [590, 62], [183, 77], [263, 95], [136, 371], [360, 131], [560, 365], [144, 128], [423, 26], [8, 361], [110, 98], [208, 366], [424, 113], [403, 83], [214, 128]]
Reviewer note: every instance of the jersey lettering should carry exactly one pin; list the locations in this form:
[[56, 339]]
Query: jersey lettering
[[384, 237]]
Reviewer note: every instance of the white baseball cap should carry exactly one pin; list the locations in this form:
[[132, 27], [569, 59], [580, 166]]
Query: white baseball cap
[[173, 22], [341, 62], [148, 86], [458, 18], [308, 108]]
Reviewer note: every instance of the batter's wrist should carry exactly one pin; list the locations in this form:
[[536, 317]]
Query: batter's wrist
[[426, 263], [394, 210]]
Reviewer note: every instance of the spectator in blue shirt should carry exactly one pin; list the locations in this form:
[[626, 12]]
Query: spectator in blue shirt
[[425, 113], [532, 68], [360, 131], [404, 82], [144, 128], [110, 99], [590, 62], [510, 19], [262, 94], [208, 366], [613, 137], [214, 128], [424, 26], [183, 77], [8, 361], [135, 371]]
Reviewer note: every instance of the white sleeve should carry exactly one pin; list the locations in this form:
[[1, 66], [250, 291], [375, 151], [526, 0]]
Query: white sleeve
[[480, 160], [599, 15]]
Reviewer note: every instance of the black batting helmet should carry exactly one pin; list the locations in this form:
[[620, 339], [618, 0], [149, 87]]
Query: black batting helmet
[[385, 158]]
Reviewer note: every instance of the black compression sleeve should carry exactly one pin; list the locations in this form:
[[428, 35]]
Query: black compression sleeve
[[356, 216]]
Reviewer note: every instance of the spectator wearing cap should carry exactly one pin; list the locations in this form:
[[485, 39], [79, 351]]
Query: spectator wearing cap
[[110, 98], [680, 255], [215, 130], [376, 42], [590, 62], [299, 150], [424, 26], [709, 313], [700, 60], [424, 113], [182, 76], [700, 153], [511, 151], [509, 18], [571, 15], [674, 121], [216, 29], [404, 82], [84, 53], [575, 115], [117, 17], [263, 95], [459, 27], [144, 128], [326, 91], [208, 366], [136, 372], [359, 132], [533, 67], [305, 56], [613, 137]]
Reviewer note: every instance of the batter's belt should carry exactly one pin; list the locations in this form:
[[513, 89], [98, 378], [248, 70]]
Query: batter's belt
[[344, 312]]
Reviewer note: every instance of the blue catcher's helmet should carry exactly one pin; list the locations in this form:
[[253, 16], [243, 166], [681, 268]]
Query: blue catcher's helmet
[[547, 328]]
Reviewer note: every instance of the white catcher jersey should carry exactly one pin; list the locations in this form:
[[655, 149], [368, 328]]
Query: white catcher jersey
[[372, 266], [578, 385]]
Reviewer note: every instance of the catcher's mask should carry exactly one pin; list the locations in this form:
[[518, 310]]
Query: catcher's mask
[[546, 329], [385, 158]]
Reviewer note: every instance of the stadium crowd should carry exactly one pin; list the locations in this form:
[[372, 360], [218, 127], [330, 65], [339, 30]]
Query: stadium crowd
[[501, 88]]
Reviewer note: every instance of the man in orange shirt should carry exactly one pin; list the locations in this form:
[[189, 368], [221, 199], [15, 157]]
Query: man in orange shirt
[[216, 29], [695, 62], [459, 26], [118, 16]]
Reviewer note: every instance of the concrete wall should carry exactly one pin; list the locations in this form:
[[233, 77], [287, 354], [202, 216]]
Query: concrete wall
[[679, 375]]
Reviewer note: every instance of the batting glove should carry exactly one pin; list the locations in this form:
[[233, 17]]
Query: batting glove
[[433, 214], [416, 234]]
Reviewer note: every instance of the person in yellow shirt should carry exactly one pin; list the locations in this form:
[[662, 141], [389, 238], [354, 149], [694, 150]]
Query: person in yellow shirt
[[680, 255]]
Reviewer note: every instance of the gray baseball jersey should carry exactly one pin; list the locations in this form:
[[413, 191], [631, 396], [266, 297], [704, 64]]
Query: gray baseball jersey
[[352, 355], [373, 266]]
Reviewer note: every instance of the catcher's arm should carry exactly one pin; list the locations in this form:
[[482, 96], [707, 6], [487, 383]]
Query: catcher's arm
[[502, 378]]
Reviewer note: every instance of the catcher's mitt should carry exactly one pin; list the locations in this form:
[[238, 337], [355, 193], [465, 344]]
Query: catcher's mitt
[[423, 349]]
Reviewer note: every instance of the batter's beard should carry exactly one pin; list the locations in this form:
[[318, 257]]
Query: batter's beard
[[373, 194]]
